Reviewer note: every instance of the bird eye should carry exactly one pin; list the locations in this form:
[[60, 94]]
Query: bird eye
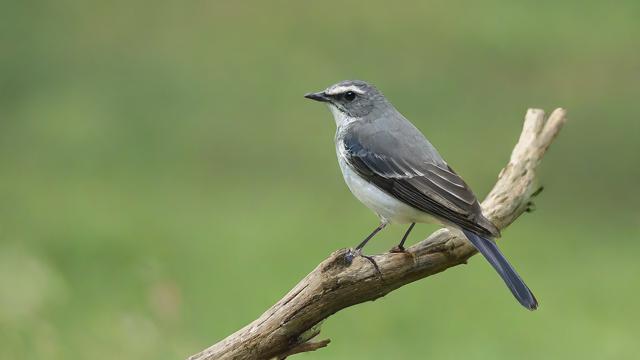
[[349, 95]]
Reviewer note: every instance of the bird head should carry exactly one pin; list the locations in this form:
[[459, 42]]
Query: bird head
[[352, 98]]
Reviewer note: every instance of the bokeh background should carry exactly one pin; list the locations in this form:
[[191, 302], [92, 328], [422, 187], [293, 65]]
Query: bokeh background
[[163, 181]]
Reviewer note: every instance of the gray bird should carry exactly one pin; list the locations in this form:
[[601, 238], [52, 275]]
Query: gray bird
[[395, 171]]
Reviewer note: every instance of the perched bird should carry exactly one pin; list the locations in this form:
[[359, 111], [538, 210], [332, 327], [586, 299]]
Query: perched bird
[[394, 170]]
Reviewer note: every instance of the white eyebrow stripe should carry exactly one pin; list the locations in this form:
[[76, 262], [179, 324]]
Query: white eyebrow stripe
[[343, 89]]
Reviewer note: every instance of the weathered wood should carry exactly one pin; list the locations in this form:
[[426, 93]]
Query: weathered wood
[[289, 325]]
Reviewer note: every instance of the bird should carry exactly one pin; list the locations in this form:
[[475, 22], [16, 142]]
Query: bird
[[391, 167]]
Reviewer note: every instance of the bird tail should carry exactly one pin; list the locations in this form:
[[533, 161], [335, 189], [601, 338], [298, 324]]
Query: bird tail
[[491, 252]]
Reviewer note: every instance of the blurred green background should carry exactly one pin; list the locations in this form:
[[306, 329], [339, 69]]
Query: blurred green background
[[163, 181]]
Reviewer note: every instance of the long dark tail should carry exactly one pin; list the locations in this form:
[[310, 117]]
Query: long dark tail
[[491, 252]]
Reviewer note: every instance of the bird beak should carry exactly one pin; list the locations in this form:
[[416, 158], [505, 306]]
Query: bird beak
[[319, 96]]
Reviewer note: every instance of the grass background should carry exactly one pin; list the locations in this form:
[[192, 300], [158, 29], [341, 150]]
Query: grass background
[[163, 181]]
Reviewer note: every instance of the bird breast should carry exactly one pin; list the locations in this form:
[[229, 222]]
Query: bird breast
[[388, 208]]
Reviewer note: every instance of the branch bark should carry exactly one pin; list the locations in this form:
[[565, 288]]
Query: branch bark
[[289, 325]]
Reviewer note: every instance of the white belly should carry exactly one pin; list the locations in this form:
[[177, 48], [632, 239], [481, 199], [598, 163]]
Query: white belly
[[388, 208]]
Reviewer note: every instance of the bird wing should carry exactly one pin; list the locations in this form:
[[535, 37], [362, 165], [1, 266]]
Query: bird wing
[[405, 165]]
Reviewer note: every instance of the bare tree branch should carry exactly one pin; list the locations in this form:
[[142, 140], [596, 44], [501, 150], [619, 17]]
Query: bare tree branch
[[335, 284]]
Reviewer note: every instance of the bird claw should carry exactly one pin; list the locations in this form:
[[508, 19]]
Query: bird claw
[[397, 249], [352, 254]]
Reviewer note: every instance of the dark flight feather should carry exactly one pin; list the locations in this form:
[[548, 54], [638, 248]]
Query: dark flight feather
[[404, 171]]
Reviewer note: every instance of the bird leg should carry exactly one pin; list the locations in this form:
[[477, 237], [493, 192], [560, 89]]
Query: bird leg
[[366, 240], [400, 247], [358, 250]]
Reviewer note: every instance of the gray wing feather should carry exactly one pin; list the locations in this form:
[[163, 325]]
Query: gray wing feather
[[403, 163]]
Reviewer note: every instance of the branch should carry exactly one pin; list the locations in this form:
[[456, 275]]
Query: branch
[[335, 284]]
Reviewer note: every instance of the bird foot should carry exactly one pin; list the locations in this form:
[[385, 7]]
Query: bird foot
[[397, 249], [352, 254], [358, 252]]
